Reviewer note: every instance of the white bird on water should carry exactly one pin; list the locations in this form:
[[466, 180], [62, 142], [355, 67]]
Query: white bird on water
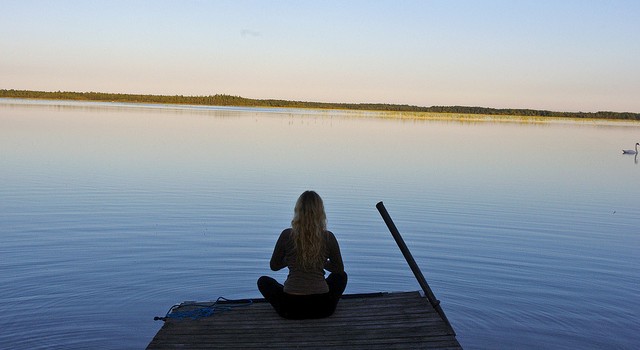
[[630, 151]]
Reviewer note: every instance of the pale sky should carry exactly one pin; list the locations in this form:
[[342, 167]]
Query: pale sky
[[561, 55]]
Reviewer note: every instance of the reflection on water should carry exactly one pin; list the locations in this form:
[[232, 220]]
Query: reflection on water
[[635, 158], [111, 213]]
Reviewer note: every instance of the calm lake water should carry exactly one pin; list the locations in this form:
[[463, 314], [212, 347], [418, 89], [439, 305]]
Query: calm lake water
[[110, 213]]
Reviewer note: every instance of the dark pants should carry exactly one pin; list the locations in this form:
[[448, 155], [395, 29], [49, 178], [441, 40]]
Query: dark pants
[[297, 307]]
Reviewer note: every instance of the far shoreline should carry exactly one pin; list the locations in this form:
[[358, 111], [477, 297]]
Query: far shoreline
[[386, 110], [416, 116]]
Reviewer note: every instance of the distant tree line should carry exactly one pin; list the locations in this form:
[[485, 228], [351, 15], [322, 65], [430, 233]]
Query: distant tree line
[[228, 100]]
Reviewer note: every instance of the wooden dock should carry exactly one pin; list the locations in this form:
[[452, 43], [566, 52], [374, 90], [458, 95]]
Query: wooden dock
[[404, 320]]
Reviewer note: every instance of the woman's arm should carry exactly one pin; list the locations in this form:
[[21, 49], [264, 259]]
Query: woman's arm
[[279, 256], [334, 258]]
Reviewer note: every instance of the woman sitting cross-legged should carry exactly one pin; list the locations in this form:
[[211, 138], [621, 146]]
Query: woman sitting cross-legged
[[307, 249]]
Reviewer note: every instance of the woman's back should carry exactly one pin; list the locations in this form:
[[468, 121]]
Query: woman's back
[[303, 280]]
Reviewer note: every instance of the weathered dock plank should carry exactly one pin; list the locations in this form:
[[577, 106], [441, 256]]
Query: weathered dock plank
[[371, 321]]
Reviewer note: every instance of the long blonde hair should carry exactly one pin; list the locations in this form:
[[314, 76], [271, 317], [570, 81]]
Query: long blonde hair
[[309, 225]]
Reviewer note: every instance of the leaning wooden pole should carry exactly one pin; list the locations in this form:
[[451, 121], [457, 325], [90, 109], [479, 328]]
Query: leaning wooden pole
[[413, 265]]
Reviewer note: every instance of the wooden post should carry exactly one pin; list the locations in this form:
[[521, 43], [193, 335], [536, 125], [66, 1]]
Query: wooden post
[[413, 265]]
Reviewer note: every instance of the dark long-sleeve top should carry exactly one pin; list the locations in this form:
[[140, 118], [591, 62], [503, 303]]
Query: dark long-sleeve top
[[300, 281]]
